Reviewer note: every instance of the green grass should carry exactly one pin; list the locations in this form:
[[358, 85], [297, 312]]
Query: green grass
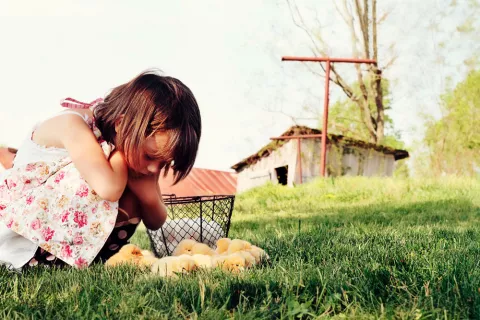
[[347, 248]]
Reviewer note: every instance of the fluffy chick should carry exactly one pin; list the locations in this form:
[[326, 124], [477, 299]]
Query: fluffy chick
[[171, 266], [148, 259], [222, 245], [238, 245], [202, 248], [250, 260], [128, 254], [184, 247], [234, 262], [203, 261], [259, 254]]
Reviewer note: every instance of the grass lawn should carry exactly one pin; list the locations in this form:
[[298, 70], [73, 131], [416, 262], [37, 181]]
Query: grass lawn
[[346, 248]]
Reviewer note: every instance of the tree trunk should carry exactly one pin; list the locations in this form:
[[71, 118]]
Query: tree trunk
[[363, 30]]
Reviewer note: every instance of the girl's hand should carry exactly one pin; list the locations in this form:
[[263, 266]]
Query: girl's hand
[[147, 190]]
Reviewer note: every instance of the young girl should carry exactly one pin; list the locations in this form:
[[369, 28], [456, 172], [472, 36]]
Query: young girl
[[85, 178]]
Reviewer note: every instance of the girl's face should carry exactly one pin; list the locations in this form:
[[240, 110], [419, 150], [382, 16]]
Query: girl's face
[[149, 163]]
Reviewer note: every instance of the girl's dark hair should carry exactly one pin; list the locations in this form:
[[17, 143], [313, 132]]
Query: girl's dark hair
[[152, 103]]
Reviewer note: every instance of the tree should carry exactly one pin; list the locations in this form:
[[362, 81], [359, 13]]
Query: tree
[[453, 141], [360, 16], [345, 119]]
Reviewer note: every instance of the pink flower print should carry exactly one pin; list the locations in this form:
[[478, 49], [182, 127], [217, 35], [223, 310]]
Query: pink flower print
[[9, 224], [11, 183], [80, 262], [80, 218], [48, 233], [28, 181], [78, 239], [59, 177], [43, 203], [66, 251], [36, 224], [94, 210], [82, 191], [30, 167], [106, 205], [65, 215], [30, 199], [2, 207]]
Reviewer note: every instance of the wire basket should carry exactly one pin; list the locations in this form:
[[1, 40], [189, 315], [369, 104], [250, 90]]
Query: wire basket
[[202, 218]]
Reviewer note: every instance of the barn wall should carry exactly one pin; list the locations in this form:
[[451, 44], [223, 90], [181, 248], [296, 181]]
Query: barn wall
[[349, 161], [264, 170]]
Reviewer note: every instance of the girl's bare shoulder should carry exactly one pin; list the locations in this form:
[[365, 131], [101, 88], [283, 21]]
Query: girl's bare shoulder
[[49, 132]]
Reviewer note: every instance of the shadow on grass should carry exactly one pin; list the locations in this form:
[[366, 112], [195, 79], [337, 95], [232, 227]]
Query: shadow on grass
[[417, 255]]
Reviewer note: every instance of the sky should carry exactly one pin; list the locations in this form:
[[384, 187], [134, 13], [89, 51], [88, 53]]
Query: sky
[[228, 53]]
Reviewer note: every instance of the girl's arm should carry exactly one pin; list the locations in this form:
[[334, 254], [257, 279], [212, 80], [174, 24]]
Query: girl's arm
[[147, 190], [108, 177]]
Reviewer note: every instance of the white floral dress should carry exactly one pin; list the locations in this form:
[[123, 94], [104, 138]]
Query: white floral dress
[[51, 205]]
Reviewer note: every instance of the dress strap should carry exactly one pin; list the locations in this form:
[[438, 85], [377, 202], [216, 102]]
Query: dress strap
[[72, 103]]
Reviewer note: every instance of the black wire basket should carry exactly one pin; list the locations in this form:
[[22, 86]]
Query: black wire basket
[[202, 218]]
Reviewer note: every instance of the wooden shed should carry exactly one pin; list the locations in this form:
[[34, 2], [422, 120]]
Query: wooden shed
[[296, 161]]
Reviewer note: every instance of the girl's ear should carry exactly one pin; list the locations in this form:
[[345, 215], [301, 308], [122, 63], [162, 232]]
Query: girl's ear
[[118, 122]]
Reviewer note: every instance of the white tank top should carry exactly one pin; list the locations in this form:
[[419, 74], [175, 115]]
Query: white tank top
[[15, 250], [29, 151]]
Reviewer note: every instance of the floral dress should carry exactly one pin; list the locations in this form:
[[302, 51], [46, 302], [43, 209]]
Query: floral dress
[[51, 205]]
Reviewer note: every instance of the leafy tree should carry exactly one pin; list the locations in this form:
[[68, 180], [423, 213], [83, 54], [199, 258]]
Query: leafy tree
[[453, 141]]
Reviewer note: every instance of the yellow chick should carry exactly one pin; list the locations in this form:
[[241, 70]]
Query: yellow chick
[[128, 254], [202, 248], [238, 245], [147, 253], [203, 261], [191, 247], [148, 258], [222, 245], [234, 262], [170, 266], [258, 253], [184, 247], [249, 258]]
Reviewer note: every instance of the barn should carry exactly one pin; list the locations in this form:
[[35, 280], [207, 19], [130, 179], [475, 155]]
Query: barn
[[295, 161]]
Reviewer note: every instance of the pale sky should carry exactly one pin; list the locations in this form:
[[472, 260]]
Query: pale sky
[[227, 52]]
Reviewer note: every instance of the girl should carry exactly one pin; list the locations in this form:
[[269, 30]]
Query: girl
[[85, 178]]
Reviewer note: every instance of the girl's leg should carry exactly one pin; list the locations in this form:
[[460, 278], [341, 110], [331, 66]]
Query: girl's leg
[[130, 209], [129, 216]]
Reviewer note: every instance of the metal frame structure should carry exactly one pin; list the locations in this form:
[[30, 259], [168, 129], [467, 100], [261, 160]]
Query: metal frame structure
[[328, 61], [209, 217]]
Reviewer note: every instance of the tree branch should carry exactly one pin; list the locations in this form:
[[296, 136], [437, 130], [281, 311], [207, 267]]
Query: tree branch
[[349, 21], [363, 102], [363, 21], [390, 62], [302, 25], [343, 85]]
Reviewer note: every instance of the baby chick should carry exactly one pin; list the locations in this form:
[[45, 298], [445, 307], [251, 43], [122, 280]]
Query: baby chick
[[170, 266]]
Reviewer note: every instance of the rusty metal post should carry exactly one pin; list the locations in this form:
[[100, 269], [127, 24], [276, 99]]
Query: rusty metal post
[[328, 61], [323, 160], [299, 158]]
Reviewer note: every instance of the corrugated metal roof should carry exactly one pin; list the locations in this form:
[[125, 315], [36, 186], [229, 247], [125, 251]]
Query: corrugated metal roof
[[201, 182]]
